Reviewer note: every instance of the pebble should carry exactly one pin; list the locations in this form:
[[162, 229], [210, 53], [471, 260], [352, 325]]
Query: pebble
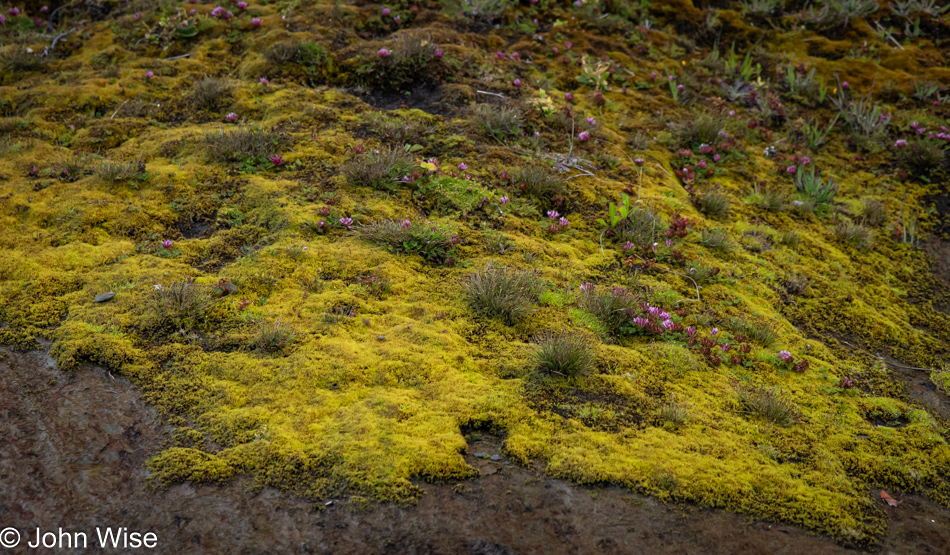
[[104, 297], [495, 457], [481, 455], [381, 337]]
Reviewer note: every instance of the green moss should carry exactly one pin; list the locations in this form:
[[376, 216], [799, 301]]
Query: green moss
[[179, 464], [377, 386]]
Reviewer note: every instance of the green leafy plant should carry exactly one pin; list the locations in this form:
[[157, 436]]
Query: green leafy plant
[[808, 181], [617, 212]]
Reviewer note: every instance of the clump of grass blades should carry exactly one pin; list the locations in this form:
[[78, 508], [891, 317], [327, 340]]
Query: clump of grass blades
[[796, 284], [434, 244], [769, 404], [773, 200], [762, 8], [379, 170], [920, 157], [212, 93], [763, 333], [789, 238], [564, 354], [640, 227], [115, 172], [395, 130], [501, 292], [854, 234], [18, 58], [873, 212], [284, 51], [538, 182], [181, 303], [243, 144], [406, 65], [497, 121], [713, 203], [702, 130], [273, 337], [839, 13], [486, 10], [72, 167], [673, 413], [609, 307], [716, 239]]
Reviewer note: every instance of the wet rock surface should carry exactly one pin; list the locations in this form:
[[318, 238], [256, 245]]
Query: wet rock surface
[[74, 448]]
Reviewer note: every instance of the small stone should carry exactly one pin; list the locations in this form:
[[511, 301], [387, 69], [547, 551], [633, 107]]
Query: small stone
[[495, 458], [104, 297], [481, 455], [381, 337]]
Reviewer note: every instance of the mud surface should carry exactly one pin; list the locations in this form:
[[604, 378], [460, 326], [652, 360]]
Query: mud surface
[[74, 447]]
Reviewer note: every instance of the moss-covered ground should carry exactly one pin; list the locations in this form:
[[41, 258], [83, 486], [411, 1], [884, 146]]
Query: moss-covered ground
[[203, 168]]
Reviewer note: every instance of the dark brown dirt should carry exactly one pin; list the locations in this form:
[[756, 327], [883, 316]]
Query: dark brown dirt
[[74, 446], [427, 99]]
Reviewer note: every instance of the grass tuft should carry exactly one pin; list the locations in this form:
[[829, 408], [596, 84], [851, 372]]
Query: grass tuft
[[501, 292], [565, 354]]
